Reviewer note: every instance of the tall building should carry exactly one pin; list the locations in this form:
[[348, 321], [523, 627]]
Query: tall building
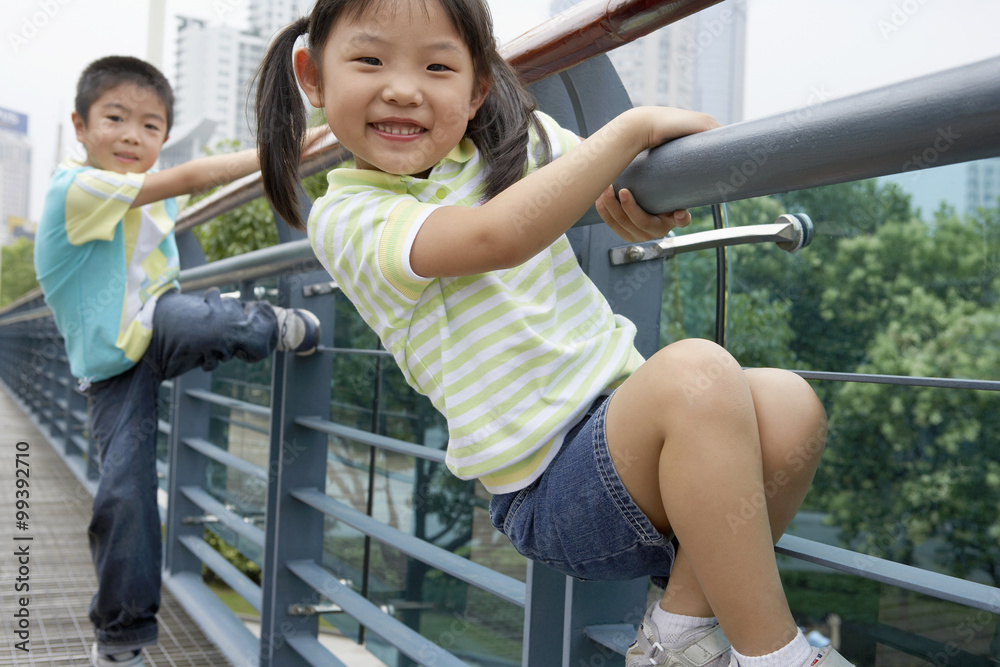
[[214, 85], [15, 175], [696, 63], [982, 184], [215, 66]]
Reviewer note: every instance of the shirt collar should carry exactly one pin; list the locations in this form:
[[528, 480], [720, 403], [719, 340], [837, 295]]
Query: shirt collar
[[346, 176]]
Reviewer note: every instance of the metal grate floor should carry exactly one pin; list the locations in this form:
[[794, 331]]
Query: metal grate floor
[[60, 576]]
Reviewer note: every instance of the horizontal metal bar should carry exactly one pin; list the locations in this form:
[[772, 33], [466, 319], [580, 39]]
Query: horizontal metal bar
[[929, 121], [225, 570], [616, 636], [491, 581], [372, 439], [229, 519], [216, 620], [26, 316], [225, 458], [231, 403], [355, 351], [405, 639], [934, 584], [313, 651], [284, 258], [906, 380]]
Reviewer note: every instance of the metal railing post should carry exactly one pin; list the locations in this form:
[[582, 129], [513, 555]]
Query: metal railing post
[[298, 459], [189, 418], [544, 609]]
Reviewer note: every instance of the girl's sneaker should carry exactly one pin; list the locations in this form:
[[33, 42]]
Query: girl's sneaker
[[827, 657], [709, 648], [822, 657]]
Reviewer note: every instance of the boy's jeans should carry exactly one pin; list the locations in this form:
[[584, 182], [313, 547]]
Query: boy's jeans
[[188, 331]]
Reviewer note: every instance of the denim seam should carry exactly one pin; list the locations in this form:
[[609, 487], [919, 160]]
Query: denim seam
[[643, 528], [515, 505]]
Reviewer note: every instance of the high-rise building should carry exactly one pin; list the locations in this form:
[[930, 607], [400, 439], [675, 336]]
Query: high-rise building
[[696, 63], [15, 174], [214, 85], [983, 184]]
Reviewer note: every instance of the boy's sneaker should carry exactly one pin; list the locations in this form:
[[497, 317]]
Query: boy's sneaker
[[710, 648], [298, 330], [127, 659]]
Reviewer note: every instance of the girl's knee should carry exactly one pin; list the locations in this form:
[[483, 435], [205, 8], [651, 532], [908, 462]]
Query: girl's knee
[[789, 410], [699, 372]]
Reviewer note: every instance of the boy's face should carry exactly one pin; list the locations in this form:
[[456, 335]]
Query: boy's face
[[125, 130]]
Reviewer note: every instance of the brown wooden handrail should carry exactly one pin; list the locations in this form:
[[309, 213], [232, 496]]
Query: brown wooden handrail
[[565, 40], [587, 30]]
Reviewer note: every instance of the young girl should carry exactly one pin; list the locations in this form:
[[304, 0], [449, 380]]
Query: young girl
[[448, 236]]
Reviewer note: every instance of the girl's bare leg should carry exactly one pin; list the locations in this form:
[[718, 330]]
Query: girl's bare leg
[[723, 458]]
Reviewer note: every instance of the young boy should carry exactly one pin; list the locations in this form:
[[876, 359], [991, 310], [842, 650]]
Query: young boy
[[106, 259]]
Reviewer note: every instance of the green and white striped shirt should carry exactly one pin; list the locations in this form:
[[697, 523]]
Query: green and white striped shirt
[[511, 358]]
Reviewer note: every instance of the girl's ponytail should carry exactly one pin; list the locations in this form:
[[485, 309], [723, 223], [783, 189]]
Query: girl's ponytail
[[281, 124]]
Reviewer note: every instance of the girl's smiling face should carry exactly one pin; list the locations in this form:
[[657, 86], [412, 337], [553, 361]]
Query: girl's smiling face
[[125, 129], [398, 86]]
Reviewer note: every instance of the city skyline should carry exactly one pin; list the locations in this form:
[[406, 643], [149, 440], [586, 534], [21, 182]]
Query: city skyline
[[797, 53]]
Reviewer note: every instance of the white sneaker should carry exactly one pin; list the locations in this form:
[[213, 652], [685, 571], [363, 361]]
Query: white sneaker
[[824, 657], [827, 657], [298, 330], [127, 659], [709, 648]]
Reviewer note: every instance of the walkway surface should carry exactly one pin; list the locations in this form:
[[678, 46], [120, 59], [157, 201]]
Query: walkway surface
[[51, 590]]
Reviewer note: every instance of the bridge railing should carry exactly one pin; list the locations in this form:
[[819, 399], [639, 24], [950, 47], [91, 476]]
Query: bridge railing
[[327, 472]]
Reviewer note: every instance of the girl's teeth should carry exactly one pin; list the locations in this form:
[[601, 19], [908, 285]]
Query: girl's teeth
[[391, 129]]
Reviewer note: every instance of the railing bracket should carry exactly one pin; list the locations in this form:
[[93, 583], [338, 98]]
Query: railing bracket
[[313, 609], [791, 232], [200, 520], [319, 289]]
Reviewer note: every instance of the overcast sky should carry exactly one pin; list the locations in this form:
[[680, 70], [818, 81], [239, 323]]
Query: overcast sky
[[796, 50]]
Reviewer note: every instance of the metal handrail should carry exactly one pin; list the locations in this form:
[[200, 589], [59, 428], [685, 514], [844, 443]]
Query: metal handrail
[[565, 40], [930, 121]]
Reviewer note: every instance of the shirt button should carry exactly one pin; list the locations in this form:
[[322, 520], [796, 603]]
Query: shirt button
[[441, 193]]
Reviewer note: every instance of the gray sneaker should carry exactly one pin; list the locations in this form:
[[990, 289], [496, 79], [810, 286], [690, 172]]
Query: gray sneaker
[[709, 648], [822, 657], [298, 330], [826, 657], [128, 659]]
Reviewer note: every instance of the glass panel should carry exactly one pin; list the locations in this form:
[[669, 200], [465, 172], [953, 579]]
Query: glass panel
[[689, 289], [877, 624], [909, 474]]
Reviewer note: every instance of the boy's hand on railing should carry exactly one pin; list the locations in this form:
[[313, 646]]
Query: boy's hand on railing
[[629, 221]]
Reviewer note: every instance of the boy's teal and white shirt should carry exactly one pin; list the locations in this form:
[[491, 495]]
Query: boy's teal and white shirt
[[102, 265], [512, 358]]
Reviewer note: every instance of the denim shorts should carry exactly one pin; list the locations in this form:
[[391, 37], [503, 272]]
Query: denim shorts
[[578, 518]]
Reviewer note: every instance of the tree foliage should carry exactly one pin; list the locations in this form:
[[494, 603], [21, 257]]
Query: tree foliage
[[910, 473], [17, 270]]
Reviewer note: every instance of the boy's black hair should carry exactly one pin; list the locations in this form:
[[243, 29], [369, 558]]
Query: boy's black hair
[[500, 128], [106, 73]]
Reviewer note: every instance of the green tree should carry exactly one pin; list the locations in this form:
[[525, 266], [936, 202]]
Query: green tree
[[908, 465], [841, 213], [17, 270]]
